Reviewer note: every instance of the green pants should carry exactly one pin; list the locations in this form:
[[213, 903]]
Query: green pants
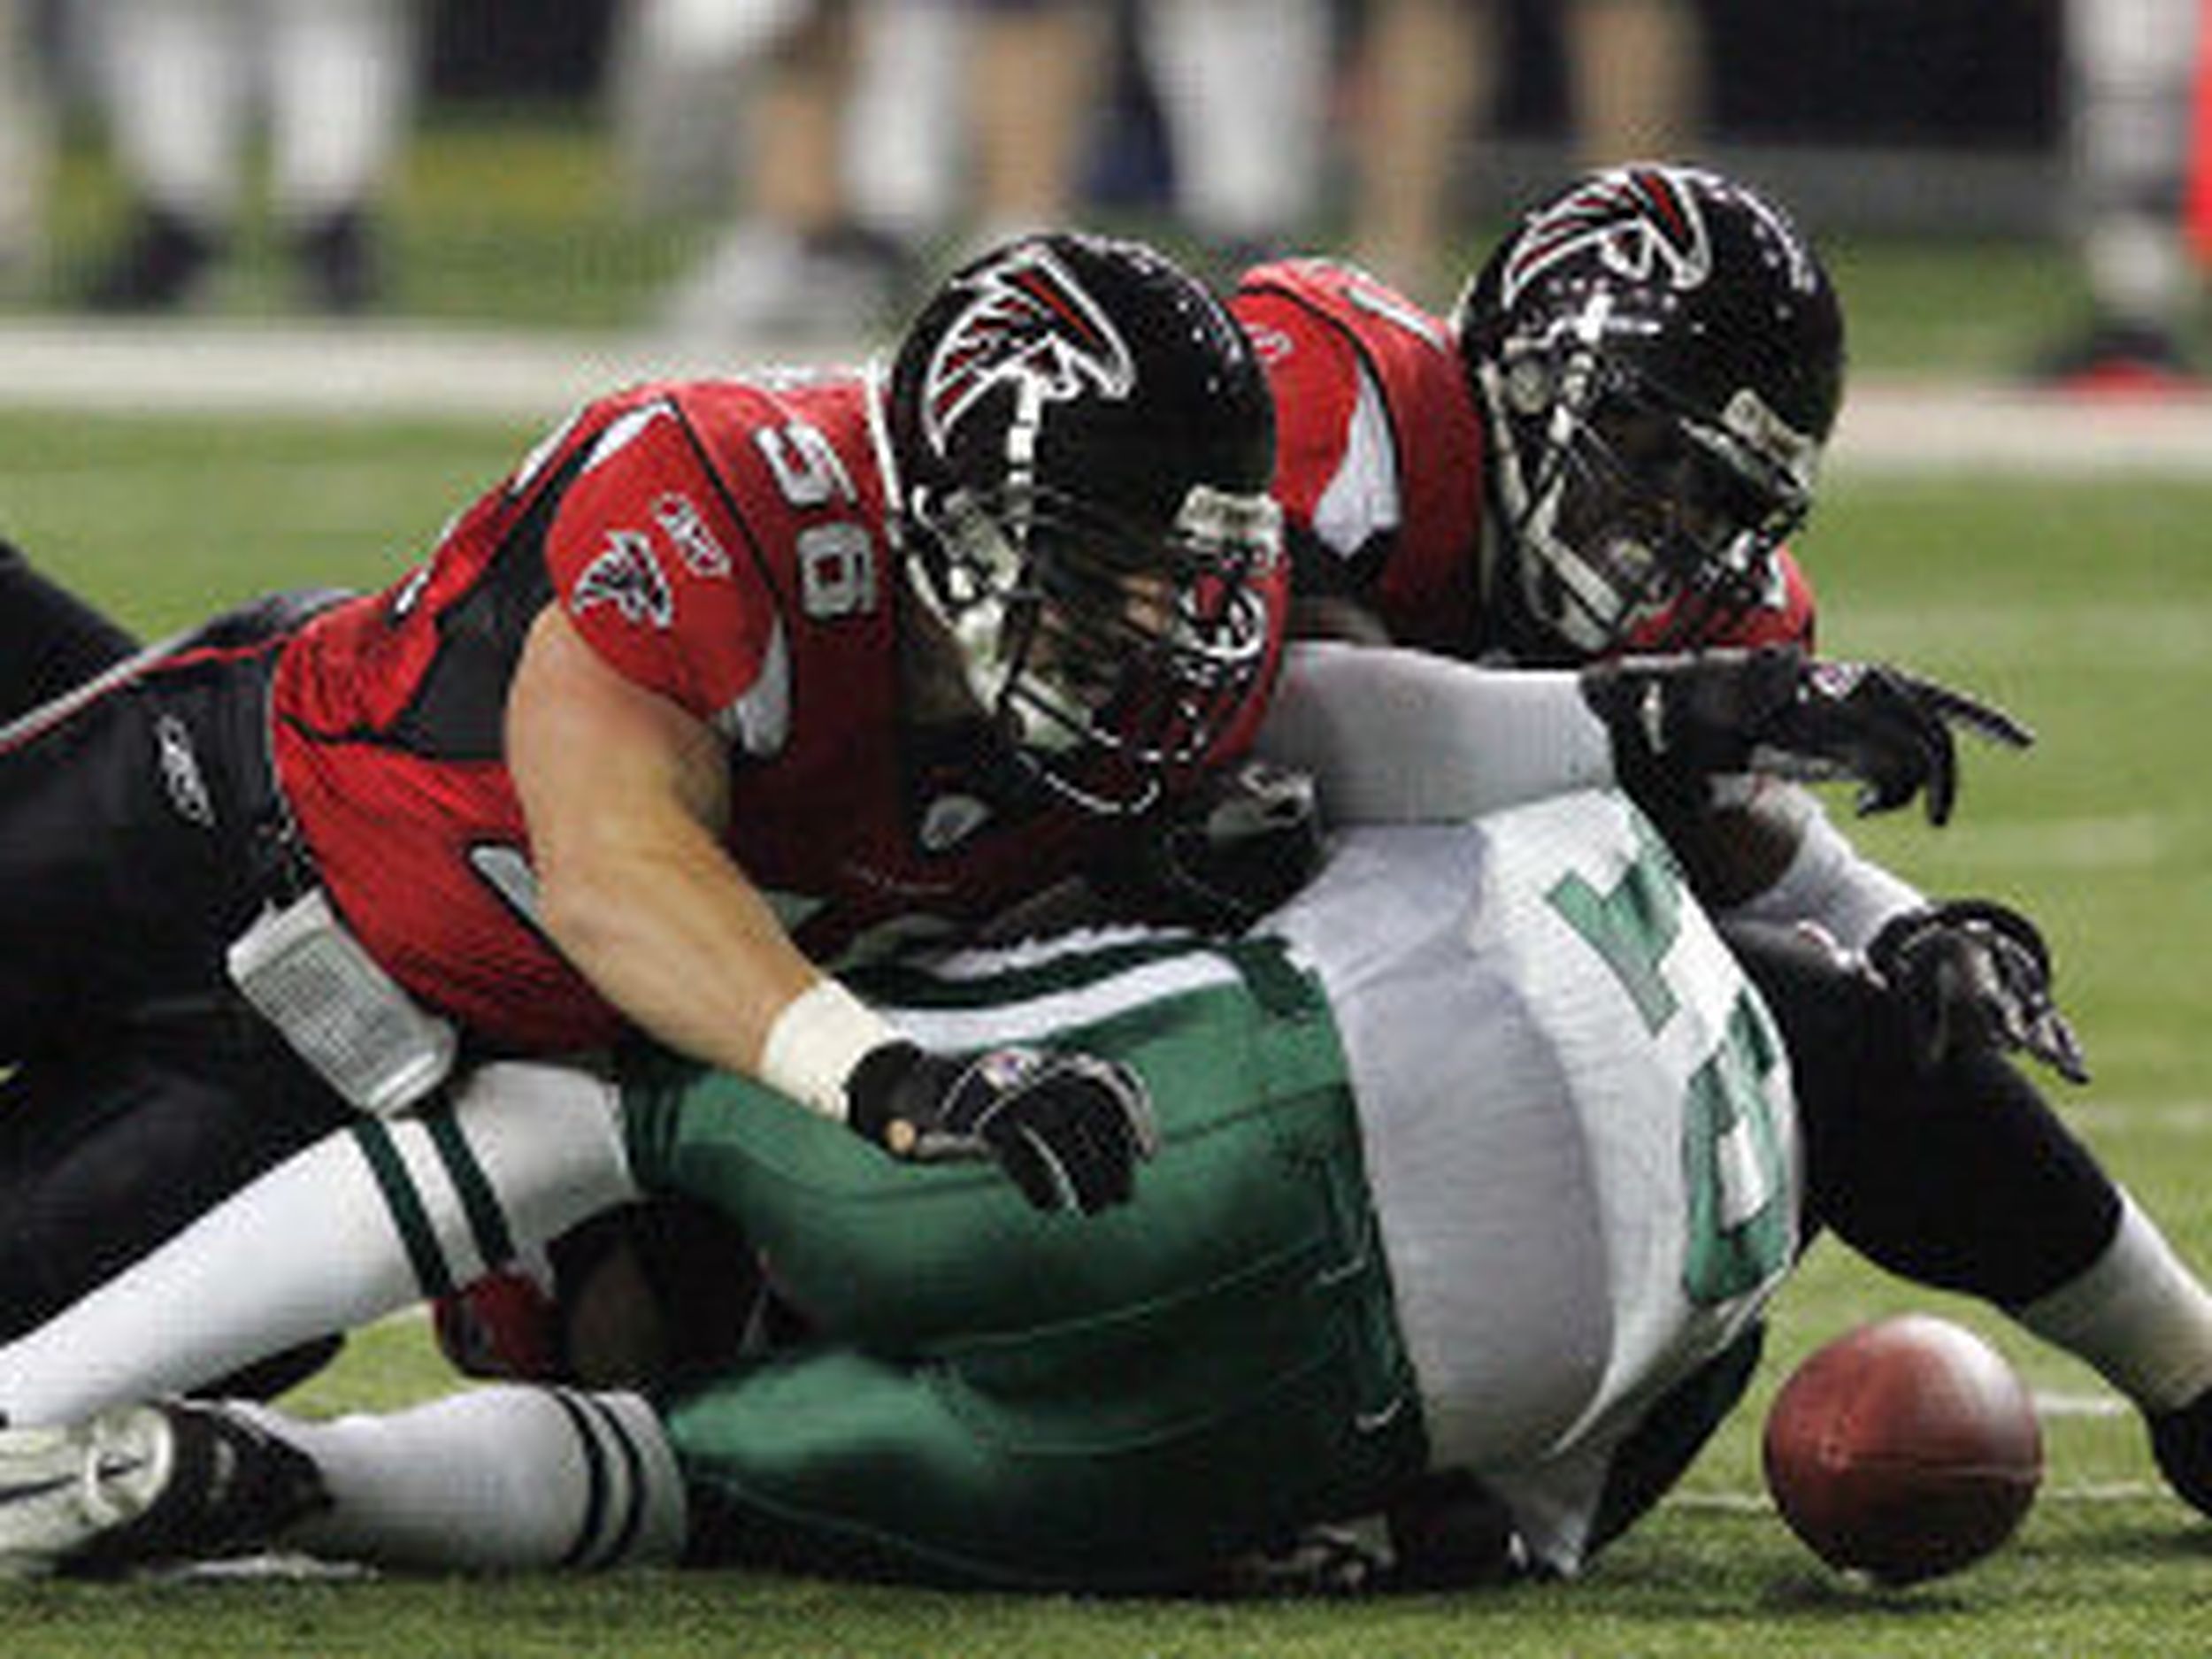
[[1006, 1397]]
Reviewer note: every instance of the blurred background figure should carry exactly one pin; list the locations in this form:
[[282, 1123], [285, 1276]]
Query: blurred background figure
[[26, 141], [2131, 74], [1243, 89], [875, 131], [1423, 73], [792, 263], [1634, 73], [972, 118], [675, 78], [187, 85], [873, 136]]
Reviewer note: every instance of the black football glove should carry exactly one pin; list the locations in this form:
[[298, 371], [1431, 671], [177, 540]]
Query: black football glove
[[1068, 1128], [1678, 721], [1972, 974], [1220, 857]]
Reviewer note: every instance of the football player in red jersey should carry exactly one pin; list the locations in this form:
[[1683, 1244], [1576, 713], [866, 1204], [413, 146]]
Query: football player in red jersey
[[1604, 450], [2005, 978], [730, 679]]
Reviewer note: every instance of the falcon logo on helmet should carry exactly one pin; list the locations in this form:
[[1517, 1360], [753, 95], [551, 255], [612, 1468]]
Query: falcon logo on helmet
[[1029, 323], [1643, 222]]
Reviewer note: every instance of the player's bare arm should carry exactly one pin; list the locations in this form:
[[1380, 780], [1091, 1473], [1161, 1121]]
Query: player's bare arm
[[627, 797], [625, 794]]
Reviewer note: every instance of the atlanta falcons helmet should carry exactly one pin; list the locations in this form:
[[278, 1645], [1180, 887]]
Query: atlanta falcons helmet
[[1084, 442], [1658, 356]]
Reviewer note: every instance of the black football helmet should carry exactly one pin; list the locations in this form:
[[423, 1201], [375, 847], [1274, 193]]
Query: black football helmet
[[1084, 442], [1658, 357]]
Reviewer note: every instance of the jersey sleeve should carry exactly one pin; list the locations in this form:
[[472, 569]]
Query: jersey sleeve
[[650, 565], [1314, 372], [1378, 462]]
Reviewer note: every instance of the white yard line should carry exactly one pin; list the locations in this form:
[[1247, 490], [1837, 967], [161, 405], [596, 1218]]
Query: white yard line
[[1891, 424], [401, 369], [1910, 425]]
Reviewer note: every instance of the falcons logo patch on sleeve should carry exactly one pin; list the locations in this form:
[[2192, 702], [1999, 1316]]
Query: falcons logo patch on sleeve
[[1643, 222], [626, 576], [1029, 323]]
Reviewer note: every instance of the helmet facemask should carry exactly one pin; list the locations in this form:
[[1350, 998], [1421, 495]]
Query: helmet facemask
[[1085, 440], [1658, 359], [1109, 653], [1631, 520]]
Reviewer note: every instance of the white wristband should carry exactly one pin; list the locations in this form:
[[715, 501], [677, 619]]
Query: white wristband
[[817, 1040]]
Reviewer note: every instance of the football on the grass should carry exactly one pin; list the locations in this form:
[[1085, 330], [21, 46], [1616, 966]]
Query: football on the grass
[[1906, 1449]]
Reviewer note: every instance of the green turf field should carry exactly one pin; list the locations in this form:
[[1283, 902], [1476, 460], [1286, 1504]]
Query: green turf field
[[2087, 608]]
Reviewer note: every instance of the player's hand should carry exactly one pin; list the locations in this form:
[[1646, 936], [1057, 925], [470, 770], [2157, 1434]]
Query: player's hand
[[1239, 843], [1677, 721], [1069, 1129], [1972, 974]]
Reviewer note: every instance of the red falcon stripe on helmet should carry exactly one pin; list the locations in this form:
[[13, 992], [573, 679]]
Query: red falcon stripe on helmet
[[1030, 323], [1641, 221]]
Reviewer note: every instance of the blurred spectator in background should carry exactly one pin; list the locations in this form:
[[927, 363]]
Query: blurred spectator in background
[[972, 118], [676, 74], [1422, 72], [876, 129], [2131, 71], [24, 142], [1634, 73], [793, 262], [184, 83], [1243, 89]]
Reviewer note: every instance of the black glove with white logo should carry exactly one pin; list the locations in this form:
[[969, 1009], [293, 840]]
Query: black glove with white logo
[[1972, 974], [1068, 1129], [1678, 721]]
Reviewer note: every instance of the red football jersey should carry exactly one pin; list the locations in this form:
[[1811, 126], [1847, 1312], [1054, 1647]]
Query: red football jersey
[[1399, 528], [725, 544]]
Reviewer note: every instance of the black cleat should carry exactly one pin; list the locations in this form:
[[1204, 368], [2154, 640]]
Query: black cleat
[[158, 268], [338, 265], [2182, 1443]]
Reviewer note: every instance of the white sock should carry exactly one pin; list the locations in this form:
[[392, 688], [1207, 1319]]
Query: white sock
[[1242, 84], [178, 89], [368, 1220], [2129, 64], [504, 1478], [905, 140], [2137, 1315], [342, 77]]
